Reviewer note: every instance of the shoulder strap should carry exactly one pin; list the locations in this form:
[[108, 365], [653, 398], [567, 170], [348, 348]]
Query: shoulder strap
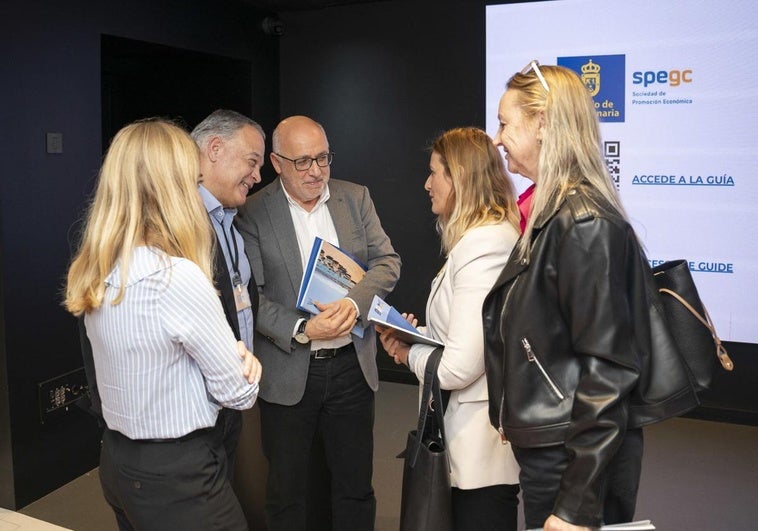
[[430, 397]]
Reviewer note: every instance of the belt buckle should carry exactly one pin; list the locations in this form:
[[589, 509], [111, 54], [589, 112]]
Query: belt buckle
[[324, 353]]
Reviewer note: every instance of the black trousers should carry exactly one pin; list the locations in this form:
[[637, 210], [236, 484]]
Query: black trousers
[[230, 424], [493, 508], [159, 486], [337, 407], [542, 468]]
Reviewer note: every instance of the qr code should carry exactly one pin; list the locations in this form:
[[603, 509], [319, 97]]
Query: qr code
[[612, 153]]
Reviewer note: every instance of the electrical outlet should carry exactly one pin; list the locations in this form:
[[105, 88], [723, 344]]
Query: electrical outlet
[[57, 394]]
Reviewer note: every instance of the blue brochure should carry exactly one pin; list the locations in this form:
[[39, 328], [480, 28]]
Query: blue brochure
[[385, 315], [330, 275]]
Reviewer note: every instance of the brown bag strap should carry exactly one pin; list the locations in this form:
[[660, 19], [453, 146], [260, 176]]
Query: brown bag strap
[[721, 353]]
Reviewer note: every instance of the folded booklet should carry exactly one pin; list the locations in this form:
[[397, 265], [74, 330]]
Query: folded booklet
[[639, 525], [330, 275], [385, 315]]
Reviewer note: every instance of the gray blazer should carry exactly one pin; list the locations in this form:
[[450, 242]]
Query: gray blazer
[[271, 244]]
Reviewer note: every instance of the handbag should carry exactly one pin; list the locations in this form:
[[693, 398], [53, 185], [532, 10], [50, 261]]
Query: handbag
[[425, 501], [689, 323]]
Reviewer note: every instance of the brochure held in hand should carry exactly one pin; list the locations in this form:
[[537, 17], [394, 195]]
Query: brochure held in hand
[[385, 315], [329, 275]]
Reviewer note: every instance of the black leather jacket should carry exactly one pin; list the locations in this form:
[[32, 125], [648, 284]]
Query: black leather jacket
[[575, 347]]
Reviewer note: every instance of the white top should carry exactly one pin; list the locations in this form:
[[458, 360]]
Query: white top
[[165, 357], [478, 458]]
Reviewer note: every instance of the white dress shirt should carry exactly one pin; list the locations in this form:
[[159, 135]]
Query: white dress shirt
[[309, 225]]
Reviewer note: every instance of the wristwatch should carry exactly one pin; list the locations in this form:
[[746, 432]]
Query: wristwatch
[[300, 336]]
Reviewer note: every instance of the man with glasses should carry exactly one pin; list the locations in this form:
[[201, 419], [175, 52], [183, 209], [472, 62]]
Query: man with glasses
[[320, 379]]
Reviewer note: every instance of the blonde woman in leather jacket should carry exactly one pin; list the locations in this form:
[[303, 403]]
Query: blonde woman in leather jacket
[[566, 324]]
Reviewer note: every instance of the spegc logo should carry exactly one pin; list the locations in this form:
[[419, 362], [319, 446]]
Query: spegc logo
[[673, 77]]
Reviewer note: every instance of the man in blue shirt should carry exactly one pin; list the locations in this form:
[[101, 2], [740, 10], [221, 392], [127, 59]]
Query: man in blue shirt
[[231, 156]]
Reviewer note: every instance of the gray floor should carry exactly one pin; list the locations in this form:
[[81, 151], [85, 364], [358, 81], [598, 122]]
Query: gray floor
[[697, 475]]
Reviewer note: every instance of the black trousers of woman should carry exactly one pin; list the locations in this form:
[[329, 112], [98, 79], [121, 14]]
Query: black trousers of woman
[[492, 508], [178, 485], [542, 468]]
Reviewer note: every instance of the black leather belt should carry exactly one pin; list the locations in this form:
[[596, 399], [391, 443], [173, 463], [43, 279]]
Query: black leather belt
[[183, 438], [328, 353]]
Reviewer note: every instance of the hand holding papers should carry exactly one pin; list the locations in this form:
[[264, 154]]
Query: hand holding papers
[[639, 525], [385, 315], [328, 276]]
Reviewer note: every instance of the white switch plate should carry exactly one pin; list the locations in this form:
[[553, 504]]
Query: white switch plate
[[55, 142]]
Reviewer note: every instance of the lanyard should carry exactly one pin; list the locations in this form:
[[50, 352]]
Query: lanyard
[[235, 257]]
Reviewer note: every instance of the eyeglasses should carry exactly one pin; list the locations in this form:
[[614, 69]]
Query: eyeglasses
[[305, 163], [535, 65]]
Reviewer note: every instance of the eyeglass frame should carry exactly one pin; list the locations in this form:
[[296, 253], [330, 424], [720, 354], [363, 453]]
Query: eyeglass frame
[[329, 158], [534, 65]]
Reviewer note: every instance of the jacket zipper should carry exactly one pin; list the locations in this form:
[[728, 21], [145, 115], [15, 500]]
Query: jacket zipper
[[533, 359], [500, 429]]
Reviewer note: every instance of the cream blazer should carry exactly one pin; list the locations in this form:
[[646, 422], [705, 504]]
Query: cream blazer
[[478, 458]]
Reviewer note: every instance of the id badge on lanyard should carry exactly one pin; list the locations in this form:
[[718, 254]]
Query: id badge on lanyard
[[241, 295]]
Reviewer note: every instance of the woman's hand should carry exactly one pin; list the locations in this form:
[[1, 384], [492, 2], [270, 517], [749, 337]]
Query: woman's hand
[[553, 523], [397, 349], [411, 319], [251, 367]]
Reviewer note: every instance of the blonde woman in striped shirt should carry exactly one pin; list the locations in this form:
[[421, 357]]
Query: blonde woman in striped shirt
[[165, 358]]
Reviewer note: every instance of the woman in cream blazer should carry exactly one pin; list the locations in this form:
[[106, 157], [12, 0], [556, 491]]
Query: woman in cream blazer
[[477, 220]]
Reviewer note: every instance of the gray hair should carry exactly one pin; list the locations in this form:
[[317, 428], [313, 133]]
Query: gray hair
[[223, 123]]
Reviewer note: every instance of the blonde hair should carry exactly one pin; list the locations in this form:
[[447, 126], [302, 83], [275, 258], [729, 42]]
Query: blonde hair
[[482, 193], [146, 195], [571, 151]]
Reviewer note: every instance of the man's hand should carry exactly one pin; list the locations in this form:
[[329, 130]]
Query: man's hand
[[251, 367], [336, 319]]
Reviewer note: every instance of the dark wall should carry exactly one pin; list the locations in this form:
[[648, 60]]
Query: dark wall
[[385, 79], [50, 82]]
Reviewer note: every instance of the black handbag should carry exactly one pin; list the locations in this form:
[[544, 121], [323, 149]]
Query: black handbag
[[425, 502], [689, 323]]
